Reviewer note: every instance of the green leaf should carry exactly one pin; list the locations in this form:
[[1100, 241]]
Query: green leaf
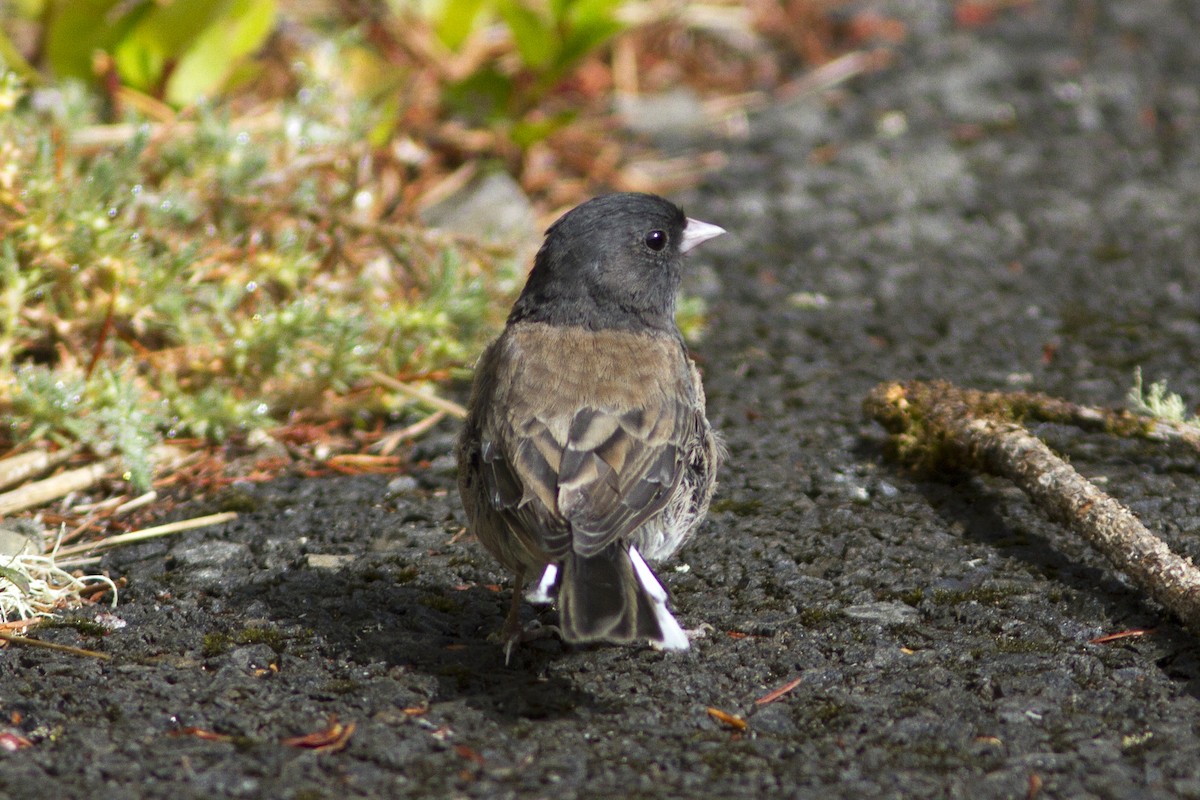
[[584, 40], [16, 578], [480, 97], [159, 38], [536, 39], [590, 24], [238, 31], [527, 132], [78, 28], [11, 59], [387, 115], [456, 20]]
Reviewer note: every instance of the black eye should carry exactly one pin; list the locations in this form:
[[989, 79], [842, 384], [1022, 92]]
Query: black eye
[[656, 240]]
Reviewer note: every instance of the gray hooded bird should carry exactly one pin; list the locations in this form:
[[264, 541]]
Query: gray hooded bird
[[586, 454]]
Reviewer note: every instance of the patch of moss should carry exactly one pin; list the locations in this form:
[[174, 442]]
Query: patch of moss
[[1020, 646], [342, 686], [243, 743], [406, 575], [462, 675], [816, 617], [440, 603], [984, 595], [372, 574], [825, 713], [84, 627], [742, 508], [910, 597], [271, 637], [238, 500], [215, 644]]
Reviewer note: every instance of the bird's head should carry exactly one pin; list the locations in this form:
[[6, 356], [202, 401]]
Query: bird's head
[[612, 262]]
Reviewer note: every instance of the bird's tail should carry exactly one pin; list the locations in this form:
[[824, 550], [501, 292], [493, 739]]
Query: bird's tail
[[614, 596]]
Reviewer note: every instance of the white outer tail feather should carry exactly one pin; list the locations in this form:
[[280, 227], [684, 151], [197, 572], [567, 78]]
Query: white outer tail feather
[[541, 592], [674, 637]]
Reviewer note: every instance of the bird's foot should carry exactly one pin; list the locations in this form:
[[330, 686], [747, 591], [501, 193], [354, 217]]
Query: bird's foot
[[532, 633]]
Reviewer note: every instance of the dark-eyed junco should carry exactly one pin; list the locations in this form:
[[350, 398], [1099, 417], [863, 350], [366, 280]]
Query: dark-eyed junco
[[586, 452]]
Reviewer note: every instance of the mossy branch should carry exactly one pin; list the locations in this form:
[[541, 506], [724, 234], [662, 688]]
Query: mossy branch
[[936, 425]]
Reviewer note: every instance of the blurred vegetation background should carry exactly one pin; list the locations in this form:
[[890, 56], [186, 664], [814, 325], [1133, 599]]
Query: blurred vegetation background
[[264, 231]]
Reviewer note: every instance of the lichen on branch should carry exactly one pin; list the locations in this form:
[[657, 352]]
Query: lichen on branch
[[940, 427]]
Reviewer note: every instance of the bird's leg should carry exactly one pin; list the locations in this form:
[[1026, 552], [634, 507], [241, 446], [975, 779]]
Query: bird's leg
[[513, 633], [510, 634]]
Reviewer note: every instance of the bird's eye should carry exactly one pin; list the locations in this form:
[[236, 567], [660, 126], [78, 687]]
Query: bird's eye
[[656, 240]]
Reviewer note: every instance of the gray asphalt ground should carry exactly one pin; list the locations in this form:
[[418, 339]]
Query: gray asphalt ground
[[1012, 206]]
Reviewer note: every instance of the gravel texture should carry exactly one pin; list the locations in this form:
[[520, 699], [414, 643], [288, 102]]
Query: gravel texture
[[1011, 206]]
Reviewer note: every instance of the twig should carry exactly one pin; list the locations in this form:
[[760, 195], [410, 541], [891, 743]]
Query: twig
[[146, 533], [431, 400], [390, 442], [1114, 637], [105, 330], [20, 468], [725, 718], [22, 625], [107, 504], [937, 425], [40, 492], [833, 73], [93, 138], [332, 739], [772, 696], [1118, 422], [136, 503], [62, 648]]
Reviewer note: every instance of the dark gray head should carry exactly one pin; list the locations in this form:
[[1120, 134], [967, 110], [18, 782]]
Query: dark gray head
[[612, 262]]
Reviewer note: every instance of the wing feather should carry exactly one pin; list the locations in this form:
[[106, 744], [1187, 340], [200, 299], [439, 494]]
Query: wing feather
[[578, 461]]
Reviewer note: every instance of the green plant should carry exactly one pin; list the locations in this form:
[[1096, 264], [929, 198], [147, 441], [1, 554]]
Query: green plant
[[550, 39], [179, 51], [168, 294]]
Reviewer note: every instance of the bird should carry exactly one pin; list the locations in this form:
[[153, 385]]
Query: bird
[[586, 454]]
